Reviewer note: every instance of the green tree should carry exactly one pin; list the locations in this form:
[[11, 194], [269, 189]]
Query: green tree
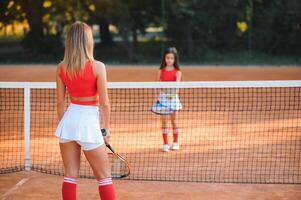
[[277, 27], [102, 12], [34, 11], [10, 11], [203, 23], [129, 16], [43, 15]]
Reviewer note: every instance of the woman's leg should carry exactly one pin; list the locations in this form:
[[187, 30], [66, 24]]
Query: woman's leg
[[175, 131], [99, 161], [70, 152]]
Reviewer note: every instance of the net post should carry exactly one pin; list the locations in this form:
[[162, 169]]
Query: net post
[[27, 163]]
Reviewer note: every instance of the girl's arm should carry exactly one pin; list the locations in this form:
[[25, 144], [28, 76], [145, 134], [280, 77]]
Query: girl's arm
[[60, 94], [102, 88], [178, 79], [158, 79], [179, 76]]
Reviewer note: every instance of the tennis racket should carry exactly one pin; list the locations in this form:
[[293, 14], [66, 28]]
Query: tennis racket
[[120, 167], [160, 109]]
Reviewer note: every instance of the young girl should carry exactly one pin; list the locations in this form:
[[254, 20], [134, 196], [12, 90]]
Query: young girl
[[79, 127], [170, 71]]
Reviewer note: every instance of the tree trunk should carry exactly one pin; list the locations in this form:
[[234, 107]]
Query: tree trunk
[[34, 14], [135, 39], [189, 38], [125, 27], [104, 32]]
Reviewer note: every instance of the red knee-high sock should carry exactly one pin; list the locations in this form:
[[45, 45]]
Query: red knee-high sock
[[69, 188], [175, 135], [165, 135], [106, 189]]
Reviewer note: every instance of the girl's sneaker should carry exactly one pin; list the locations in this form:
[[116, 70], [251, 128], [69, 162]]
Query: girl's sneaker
[[175, 146], [165, 147]]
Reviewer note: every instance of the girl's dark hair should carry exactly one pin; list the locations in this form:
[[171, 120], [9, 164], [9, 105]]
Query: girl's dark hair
[[174, 51]]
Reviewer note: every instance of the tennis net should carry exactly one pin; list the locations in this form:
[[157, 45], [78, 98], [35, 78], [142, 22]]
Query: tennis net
[[229, 132]]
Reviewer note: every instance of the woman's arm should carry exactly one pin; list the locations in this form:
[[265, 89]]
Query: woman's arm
[[60, 94], [102, 88]]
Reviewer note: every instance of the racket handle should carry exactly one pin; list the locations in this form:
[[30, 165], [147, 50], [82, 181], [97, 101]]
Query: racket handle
[[111, 148]]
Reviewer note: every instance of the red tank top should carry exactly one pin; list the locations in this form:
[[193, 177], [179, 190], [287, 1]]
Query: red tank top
[[81, 85], [168, 75]]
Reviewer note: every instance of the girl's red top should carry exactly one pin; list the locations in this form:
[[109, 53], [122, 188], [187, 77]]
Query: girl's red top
[[167, 75]]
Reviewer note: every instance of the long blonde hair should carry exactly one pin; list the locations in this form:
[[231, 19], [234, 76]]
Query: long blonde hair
[[79, 46]]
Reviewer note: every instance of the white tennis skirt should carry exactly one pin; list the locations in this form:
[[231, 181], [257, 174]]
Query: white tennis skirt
[[166, 104], [80, 123], [171, 101]]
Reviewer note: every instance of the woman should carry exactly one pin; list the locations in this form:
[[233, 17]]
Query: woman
[[79, 127]]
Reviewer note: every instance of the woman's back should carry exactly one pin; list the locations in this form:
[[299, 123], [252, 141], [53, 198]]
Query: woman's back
[[81, 84]]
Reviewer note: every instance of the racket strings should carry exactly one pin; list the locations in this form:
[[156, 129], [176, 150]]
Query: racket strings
[[119, 166]]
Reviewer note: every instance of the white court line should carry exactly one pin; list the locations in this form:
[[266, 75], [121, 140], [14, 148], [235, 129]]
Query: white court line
[[11, 190]]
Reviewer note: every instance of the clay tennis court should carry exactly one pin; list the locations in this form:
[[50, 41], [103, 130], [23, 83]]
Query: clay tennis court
[[37, 186]]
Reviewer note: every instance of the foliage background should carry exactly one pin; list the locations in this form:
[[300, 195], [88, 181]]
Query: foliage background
[[133, 31]]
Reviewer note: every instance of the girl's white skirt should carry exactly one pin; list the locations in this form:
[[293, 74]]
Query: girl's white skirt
[[80, 123], [166, 104], [171, 101]]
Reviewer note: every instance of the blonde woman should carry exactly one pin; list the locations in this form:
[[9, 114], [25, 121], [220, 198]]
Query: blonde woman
[[82, 124]]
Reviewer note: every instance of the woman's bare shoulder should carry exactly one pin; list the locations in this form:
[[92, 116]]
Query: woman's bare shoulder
[[59, 66], [98, 64], [98, 67]]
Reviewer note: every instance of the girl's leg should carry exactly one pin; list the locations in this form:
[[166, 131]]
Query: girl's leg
[[164, 133], [70, 152], [175, 145], [99, 161]]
